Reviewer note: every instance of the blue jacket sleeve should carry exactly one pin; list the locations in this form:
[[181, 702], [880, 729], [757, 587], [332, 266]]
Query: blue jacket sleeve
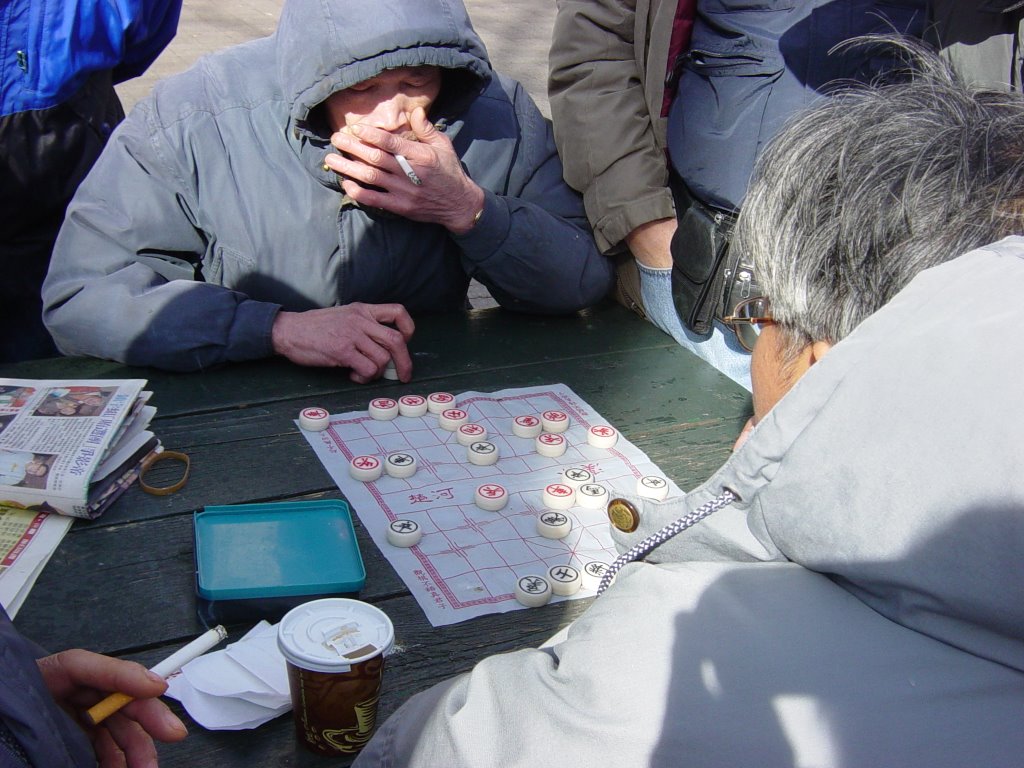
[[61, 44], [151, 25], [122, 281], [43, 730], [533, 247]]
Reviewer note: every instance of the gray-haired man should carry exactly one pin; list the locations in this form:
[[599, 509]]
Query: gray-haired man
[[855, 599]]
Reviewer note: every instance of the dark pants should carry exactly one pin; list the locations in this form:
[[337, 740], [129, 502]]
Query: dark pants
[[44, 155]]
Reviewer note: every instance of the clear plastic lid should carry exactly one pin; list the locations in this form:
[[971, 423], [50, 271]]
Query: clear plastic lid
[[333, 634]]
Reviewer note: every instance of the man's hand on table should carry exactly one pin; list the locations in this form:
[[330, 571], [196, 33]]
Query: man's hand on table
[[78, 679], [446, 195], [356, 336]]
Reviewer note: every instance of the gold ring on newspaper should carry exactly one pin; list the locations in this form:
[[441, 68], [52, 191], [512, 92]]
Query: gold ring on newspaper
[[156, 458]]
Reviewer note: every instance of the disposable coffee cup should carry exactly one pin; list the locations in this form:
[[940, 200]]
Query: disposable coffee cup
[[335, 649]]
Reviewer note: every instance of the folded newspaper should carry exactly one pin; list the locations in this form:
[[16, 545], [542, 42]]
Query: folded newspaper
[[72, 447]]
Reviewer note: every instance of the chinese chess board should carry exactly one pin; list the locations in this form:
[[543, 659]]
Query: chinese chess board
[[469, 560]]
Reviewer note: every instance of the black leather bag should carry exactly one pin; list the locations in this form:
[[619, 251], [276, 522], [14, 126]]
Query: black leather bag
[[732, 96], [708, 280]]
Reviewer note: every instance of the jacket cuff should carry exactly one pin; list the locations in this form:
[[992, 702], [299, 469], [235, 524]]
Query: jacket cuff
[[489, 233], [611, 229], [250, 337]]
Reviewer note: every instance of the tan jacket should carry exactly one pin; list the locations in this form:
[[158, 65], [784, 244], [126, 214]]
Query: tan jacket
[[606, 109]]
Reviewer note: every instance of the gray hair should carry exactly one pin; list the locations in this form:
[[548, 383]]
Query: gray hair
[[867, 188]]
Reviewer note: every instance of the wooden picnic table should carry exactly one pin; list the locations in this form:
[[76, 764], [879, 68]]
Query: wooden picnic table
[[125, 584]]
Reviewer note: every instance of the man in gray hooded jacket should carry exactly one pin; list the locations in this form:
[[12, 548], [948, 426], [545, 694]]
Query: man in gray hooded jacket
[[303, 193], [847, 589]]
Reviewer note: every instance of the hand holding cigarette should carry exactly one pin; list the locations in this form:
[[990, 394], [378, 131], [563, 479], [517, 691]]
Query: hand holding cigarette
[[417, 175], [77, 678], [104, 709]]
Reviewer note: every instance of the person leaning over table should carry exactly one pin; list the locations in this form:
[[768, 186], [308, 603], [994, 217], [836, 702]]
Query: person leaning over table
[[254, 205], [855, 600], [660, 108], [43, 698]]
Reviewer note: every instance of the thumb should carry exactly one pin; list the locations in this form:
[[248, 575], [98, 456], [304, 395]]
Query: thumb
[[423, 128]]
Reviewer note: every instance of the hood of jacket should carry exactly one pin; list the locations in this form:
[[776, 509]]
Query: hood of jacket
[[896, 464], [324, 46]]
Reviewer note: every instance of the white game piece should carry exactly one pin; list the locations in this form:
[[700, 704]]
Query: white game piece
[[553, 525], [602, 436], [365, 469], [491, 497], [390, 371], [574, 477], [558, 496], [592, 496], [400, 465], [526, 426], [565, 580], [383, 409], [404, 533], [440, 401], [533, 591], [314, 419], [550, 445], [470, 433], [592, 574], [652, 487], [452, 419], [554, 421], [412, 405], [482, 453]]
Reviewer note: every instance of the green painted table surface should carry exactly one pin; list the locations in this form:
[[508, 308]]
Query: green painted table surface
[[124, 584]]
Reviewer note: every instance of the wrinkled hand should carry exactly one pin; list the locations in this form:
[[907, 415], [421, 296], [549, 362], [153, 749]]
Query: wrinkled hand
[[355, 336], [78, 679], [447, 195]]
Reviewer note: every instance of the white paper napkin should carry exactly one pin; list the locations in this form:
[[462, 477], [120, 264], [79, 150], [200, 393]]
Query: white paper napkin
[[240, 687]]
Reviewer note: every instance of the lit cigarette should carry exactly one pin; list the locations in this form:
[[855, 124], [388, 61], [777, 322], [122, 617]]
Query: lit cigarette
[[104, 709], [408, 170]]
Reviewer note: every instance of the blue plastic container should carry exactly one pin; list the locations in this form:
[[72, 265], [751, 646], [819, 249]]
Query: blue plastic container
[[259, 560]]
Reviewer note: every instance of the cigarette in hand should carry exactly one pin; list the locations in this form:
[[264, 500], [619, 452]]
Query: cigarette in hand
[[104, 709], [408, 170]]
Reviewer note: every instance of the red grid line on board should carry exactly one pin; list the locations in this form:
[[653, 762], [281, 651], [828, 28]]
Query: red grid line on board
[[530, 543], [349, 454], [572, 408], [441, 582], [560, 551]]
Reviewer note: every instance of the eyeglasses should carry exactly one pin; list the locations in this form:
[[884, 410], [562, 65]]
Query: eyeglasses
[[747, 318]]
